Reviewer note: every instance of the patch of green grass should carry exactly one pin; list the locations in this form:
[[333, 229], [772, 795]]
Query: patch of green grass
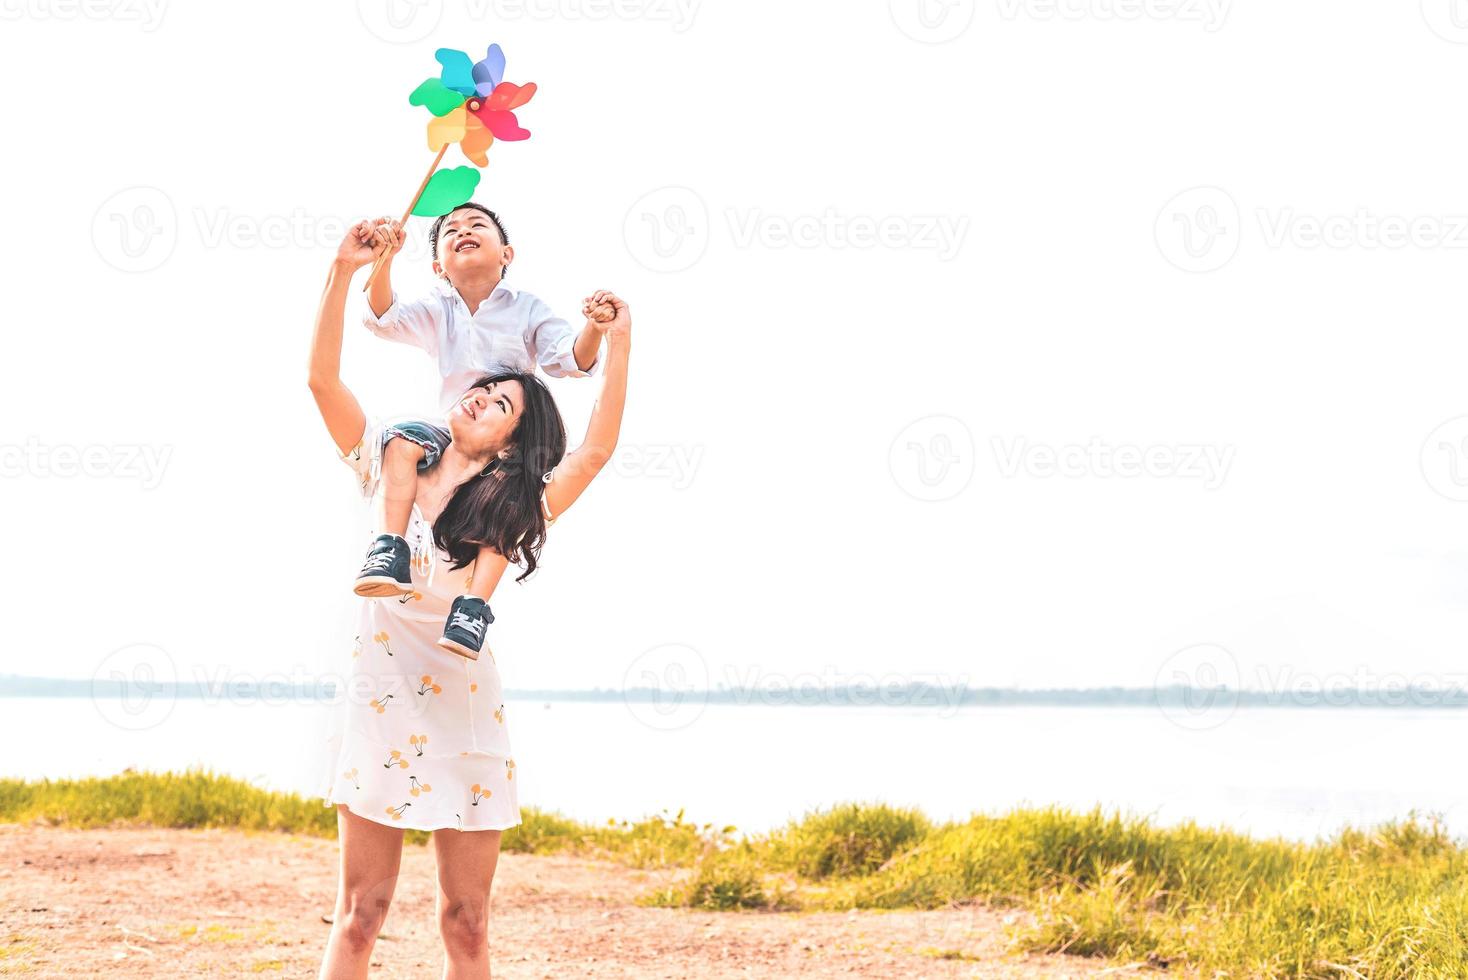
[[1389, 903], [847, 840], [722, 880], [196, 798], [200, 798]]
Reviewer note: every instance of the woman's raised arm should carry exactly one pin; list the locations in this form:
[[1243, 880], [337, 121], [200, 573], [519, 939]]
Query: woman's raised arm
[[582, 464], [338, 406]]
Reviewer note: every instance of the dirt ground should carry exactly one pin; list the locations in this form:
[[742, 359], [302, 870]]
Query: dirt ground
[[170, 903]]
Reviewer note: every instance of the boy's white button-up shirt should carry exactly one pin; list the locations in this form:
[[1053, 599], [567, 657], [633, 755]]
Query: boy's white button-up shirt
[[511, 329]]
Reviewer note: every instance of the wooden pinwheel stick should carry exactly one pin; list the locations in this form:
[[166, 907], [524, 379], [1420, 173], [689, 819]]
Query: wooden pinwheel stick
[[382, 259]]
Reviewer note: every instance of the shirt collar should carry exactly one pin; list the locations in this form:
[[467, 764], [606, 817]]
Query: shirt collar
[[442, 285]]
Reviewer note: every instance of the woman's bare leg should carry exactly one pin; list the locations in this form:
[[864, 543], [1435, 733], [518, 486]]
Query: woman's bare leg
[[466, 862], [370, 856]]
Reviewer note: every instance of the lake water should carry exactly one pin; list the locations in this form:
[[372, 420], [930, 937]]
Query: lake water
[[1268, 771]]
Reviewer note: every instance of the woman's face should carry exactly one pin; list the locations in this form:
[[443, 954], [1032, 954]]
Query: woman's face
[[485, 419]]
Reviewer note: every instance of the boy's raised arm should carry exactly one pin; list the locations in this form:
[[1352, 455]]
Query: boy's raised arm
[[379, 295], [561, 352]]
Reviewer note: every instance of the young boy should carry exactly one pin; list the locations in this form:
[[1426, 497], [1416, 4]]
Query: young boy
[[473, 323]]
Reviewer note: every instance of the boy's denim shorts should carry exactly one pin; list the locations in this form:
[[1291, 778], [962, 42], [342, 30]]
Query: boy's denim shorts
[[433, 438]]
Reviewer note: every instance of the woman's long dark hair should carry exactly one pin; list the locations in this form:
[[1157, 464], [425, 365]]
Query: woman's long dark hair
[[500, 508]]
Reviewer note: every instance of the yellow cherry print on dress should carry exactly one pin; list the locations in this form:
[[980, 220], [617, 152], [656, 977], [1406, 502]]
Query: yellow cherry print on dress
[[381, 703], [479, 793], [418, 741], [396, 812], [499, 714], [428, 685], [382, 638], [396, 759], [509, 768], [351, 775], [415, 787]]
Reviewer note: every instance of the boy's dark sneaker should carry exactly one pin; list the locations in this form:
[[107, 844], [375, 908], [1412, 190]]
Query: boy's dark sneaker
[[469, 617], [387, 570]]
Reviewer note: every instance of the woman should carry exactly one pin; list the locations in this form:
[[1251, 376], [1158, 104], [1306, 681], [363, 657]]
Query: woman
[[422, 740]]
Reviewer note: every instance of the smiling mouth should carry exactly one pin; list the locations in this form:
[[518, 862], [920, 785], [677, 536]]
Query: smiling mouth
[[463, 245], [469, 411]]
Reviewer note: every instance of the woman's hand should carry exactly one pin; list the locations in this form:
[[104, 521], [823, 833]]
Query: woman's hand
[[387, 234], [359, 247], [606, 313], [621, 326]]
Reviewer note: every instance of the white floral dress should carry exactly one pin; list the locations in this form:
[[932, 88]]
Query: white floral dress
[[420, 739]]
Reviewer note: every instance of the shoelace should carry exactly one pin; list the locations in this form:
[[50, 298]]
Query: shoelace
[[471, 623], [378, 562]]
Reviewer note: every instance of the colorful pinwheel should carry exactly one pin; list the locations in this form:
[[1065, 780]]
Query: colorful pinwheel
[[473, 106]]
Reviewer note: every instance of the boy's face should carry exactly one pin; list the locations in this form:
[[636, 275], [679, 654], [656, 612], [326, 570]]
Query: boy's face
[[469, 245]]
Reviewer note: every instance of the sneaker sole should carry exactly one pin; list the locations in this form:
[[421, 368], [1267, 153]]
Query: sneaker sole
[[458, 648], [381, 587]]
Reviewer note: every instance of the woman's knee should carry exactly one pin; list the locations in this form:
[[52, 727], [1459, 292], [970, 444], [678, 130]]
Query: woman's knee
[[360, 923], [464, 925]]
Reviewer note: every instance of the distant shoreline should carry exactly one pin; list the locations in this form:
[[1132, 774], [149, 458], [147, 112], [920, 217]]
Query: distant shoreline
[[916, 695]]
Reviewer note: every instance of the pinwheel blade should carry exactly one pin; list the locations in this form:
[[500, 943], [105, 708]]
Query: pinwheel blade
[[443, 130], [458, 70], [508, 95], [489, 72], [446, 190], [437, 97], [476, 141], [502, 124]]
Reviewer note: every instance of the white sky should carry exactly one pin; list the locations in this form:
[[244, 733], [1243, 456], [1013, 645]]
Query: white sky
[[1028, 289]]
